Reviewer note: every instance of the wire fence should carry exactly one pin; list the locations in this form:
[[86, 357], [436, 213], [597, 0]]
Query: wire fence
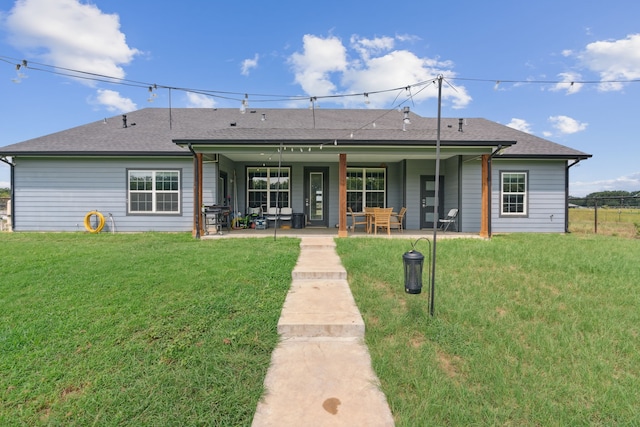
[[614, 215]]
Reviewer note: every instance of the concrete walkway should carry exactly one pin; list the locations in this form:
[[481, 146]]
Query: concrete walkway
[[320, 373]]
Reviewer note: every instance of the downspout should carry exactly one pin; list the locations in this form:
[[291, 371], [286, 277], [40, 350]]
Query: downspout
[[566, 194], [490, 174], [197, 180], [12, 191]]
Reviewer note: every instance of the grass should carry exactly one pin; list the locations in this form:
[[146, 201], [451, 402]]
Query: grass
[[144, 329], [528, 330], [162, 329], [611, 222]]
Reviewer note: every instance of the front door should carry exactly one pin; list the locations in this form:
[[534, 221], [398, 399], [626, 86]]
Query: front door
[[428, 199], [316, 196]]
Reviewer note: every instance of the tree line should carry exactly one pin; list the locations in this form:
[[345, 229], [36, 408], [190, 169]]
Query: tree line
[[622, 199]]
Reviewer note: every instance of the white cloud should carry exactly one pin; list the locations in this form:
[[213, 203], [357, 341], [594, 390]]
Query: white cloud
[[520, 124], [407, 38], [367, 47], [613, 60], [567, 125], [196, 100], [324, 67], [249, 64], [70, 34], [623, 183], [568, 84], [112, 101], [320, 58], [5, 184]]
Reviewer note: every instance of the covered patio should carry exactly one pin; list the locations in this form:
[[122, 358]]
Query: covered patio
[[321, 169]]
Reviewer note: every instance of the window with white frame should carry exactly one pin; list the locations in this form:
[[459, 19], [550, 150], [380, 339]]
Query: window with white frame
[[266, 185], [366, 187], [153, 191], [513, 191]]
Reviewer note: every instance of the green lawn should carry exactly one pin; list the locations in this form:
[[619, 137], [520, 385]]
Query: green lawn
[[165, 330], [143, 329], [528, 330]]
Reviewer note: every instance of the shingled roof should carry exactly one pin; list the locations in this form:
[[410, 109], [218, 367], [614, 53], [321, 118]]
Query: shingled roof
[[156, 131]]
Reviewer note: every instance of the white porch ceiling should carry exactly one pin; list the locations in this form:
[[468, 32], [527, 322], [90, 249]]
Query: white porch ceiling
[[330, 153]]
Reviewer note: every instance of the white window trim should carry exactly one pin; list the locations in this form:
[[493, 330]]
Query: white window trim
[[364, 190], [268, 190], [525, 194], [154, 192]]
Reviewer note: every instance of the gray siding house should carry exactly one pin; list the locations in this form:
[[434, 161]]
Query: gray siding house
[[153, 170]]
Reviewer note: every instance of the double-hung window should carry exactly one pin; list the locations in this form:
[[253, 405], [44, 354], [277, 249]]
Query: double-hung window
[[266, 185], [366, 187], [153, 191], [513, 193]]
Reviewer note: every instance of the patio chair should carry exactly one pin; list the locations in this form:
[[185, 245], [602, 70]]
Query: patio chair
[[277, 215], [358, 218], [382, 219], [396, 220], [368, 213], [272, 215], [452, 218], [286, 214]]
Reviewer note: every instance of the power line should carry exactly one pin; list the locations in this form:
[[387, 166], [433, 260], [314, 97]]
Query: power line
[[263, 97]]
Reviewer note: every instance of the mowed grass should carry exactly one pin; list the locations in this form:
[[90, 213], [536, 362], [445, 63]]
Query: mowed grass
[[533, 330], [142, 329]]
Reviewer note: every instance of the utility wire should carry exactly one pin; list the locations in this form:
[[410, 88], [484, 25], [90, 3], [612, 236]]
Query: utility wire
[[258, 97]]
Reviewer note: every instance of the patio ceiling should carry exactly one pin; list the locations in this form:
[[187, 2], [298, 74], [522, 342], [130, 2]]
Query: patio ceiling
[[295, 153]]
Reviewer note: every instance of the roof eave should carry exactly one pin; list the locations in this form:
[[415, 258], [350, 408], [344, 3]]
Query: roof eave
[[95, 153], [581, 156]]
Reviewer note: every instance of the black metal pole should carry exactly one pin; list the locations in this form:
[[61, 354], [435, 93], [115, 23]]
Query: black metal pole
[[436, 206]]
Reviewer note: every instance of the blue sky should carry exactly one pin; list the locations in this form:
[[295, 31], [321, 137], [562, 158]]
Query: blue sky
[[557, 69]]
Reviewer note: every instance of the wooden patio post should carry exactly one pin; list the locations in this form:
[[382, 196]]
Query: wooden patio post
[[198, 226], [486, 197], [342, 197]]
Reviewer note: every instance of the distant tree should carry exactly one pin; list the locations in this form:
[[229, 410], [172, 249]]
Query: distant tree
[[579, 201], [613, 198], [5, 192]]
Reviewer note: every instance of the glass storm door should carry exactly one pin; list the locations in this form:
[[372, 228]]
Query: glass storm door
[[316, 196], [428, 199]]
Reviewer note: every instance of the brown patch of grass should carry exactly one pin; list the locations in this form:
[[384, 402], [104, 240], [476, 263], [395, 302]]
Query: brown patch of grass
[[45, 413], [417, 341], [450, 365], [73, 391], [373, 320]]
